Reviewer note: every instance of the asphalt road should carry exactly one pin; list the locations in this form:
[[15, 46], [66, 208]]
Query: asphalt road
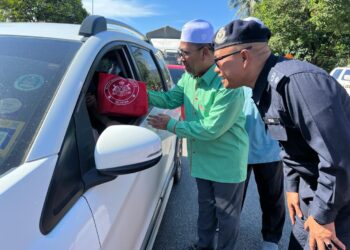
[[178, 228]]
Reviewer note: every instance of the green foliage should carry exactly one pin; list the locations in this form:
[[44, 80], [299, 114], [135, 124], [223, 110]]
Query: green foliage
[[331, 15], [313, 30], [60, 11]]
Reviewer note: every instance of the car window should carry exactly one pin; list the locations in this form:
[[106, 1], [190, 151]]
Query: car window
[[115, 62], [30, 72], [165, 71], [75, 171], [147, 68], [176, 74], [336, 73], [346, 75]]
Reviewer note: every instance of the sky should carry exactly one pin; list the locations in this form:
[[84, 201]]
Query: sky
[[150, 15]]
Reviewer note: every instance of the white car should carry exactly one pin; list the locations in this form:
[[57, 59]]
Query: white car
[[342, 75], [59, 188]]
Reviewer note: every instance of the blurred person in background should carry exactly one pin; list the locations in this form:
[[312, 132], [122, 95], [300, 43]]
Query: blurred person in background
[[264, 160]]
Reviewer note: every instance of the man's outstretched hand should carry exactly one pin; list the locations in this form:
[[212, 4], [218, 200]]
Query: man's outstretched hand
[[158, 121]]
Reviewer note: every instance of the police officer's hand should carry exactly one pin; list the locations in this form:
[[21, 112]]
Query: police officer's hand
[[322, 237], [158, 121], [293, 206]]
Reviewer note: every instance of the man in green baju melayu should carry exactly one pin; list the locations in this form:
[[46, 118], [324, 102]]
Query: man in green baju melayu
[[217, 142]]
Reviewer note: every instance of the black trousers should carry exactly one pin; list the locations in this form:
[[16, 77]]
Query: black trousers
[[269, 181], [218, 203]]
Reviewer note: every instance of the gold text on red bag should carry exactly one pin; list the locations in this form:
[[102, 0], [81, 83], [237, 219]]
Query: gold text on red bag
[[121, 91], [121, 96]]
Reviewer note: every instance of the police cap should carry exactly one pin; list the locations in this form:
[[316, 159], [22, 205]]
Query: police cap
[[240, 32]]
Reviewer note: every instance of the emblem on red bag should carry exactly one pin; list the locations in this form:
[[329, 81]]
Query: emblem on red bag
[[121, 91]]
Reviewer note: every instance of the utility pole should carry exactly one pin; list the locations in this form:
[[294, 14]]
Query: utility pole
[[92, 7]]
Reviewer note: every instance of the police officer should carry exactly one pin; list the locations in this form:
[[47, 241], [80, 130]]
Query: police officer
[[308, 112]]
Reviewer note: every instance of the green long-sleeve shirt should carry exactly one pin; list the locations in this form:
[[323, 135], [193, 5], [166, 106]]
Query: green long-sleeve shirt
[[217, 142]]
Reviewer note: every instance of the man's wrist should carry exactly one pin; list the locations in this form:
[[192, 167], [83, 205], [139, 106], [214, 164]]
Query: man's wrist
[[320, 215], [171, 126], [291, 186]]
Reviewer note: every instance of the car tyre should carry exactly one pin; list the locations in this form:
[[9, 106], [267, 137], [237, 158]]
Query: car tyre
[[178, 161]]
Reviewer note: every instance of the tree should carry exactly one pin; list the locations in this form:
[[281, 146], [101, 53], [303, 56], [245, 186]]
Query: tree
[[60, 11], [245, 7], [313, 30]]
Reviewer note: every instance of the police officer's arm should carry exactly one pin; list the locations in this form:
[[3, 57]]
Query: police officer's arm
[[291, 182], [225, 110], [292, 178], [292, 187], [321, 109]]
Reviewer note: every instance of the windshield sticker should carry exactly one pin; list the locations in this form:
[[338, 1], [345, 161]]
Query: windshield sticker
[[9, 131], [29, 82], [9, 105]]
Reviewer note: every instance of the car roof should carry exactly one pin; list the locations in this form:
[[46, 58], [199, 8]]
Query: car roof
[[91, 26], [47, 30]]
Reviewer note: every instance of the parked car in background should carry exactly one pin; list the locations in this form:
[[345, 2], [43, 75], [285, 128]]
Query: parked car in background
[[176, 72], [59, 188], [342, 75], [171, 56]]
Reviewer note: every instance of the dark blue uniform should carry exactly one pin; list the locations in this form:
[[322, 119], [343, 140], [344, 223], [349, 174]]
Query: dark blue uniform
[[308, 112]]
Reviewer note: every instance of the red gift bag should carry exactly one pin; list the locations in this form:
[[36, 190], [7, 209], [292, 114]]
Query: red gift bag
[[120, 96]]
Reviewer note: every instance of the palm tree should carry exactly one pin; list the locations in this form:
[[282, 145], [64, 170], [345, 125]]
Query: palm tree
[[245, 7]]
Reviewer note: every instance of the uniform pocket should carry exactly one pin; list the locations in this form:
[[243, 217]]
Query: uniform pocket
[[277, 132]]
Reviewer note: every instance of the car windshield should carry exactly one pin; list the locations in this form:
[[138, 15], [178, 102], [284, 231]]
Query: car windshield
[[30, 72], [346, 76], [336, 73]]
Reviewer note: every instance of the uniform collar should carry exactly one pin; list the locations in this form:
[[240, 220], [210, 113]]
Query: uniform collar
[[208, 76], [261, 84]]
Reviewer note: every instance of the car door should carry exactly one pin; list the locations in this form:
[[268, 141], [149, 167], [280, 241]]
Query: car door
[[55, 198], [125, 207], [148, 71]]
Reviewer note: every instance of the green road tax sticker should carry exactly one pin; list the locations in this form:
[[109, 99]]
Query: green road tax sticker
[[29, 82], [9, 105]]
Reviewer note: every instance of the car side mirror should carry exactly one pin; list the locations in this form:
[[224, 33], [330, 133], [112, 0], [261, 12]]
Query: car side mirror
[[125, 149]]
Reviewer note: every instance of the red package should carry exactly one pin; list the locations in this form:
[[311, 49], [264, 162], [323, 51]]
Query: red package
[[121, 96]]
